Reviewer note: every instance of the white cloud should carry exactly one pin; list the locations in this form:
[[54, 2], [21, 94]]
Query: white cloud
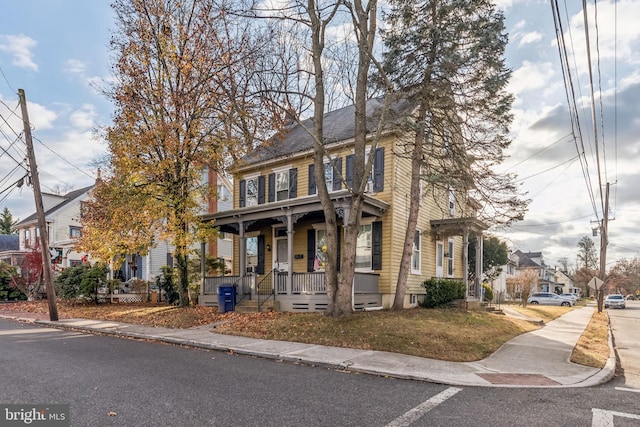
[[531, 76], [84, 118], [531, 37], [75, 66], [20, 48]]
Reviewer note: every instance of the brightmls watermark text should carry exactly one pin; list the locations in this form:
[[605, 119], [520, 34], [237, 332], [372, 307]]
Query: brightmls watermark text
[[39, 415]]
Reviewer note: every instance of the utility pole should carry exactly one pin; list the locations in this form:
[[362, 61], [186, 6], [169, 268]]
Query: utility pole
[[42, 224], [604, 241]]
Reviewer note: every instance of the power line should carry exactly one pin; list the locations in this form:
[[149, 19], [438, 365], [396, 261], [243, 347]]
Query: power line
[[63, 159]]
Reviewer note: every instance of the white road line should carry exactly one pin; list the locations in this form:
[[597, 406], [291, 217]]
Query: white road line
[[409, 417], [604, 418], [632, 390]]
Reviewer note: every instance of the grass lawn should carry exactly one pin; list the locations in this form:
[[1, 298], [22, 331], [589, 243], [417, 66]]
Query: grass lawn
[[444, 334]]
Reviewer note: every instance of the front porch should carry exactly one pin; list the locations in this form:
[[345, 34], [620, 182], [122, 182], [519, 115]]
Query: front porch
[[304, 292]]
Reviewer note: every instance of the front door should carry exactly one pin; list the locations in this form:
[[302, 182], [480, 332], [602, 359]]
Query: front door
[[281, 258], [439, 259]]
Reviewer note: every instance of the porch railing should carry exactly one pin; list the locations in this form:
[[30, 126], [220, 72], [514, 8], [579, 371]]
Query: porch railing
[[276, 282], [265, 289], [241, 283]]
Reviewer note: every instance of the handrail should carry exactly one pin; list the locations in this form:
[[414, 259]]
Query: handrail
[[264, 288]]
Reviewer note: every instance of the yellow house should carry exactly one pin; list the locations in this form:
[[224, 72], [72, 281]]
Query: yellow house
[[279, 230]]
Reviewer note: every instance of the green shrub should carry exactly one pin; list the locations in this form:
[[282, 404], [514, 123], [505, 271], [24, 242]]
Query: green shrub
[[81, 281], [488, 292], [167, 282], [8, 291], [441, 292]]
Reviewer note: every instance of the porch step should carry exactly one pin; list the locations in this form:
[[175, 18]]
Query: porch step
[[251, 306]]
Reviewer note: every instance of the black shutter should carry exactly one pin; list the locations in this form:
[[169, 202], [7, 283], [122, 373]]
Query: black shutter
[[272, 187], [169, 259], [378, 170], [349, 170], [260, 266], [243, 193], [337, 174], [376, 243], [139, 266], [311, 249], [312, 180], [261, 189], [293, 183]]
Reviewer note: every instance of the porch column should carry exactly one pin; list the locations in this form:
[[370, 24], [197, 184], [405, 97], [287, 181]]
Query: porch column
[[479, 246], [465, 262], [203, 265], [242, 250], [289, 251]]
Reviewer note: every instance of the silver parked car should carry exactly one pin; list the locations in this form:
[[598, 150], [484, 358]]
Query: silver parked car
[[614, 300], [549, 298], [570, 295]]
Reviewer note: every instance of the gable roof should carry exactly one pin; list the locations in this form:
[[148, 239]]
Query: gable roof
[[67, 199], [524, 260], [9, 242], [339, 125]]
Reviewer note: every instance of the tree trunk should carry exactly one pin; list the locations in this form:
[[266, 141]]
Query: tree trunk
[[414, 208]]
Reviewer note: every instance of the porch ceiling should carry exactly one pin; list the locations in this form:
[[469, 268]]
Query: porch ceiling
[[457, 226], [276, 212]]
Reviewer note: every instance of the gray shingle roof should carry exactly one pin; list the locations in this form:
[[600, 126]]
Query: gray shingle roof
[[9, 242], [339, 125]]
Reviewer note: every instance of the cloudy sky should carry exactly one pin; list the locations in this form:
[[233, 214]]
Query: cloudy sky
[[57, 51]]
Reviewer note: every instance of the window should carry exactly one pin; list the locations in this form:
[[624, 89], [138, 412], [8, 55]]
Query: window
[[450, 258], [75, 232], [282, 185], [364, 248], [375, 181], [252, 192], [319, 262], [415, 254], [252, 252], [328, 175], [223, 194], [83, 209], [27, 238], [446, 141], [452, 202]]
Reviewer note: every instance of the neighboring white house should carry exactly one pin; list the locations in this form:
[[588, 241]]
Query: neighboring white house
[[62, 216]]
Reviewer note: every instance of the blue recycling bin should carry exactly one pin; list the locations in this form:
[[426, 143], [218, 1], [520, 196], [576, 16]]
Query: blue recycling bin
[[226, 298]]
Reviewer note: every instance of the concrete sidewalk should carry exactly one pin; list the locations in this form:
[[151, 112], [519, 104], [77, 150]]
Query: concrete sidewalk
[[535, 359]]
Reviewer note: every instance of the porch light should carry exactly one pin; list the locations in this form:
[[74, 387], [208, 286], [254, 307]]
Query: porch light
[[268, 247]]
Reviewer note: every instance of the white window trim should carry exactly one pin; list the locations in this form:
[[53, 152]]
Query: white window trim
[[366, 269], [450, 258], [419, 253]]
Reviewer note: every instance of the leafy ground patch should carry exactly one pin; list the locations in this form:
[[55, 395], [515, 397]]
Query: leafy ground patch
[[444, 334]]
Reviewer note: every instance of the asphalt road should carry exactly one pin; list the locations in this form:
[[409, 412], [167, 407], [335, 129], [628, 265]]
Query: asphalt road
[[111, 381], [625, 327]]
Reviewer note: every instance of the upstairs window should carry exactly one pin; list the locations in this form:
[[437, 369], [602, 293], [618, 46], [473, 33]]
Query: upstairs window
[[75, 232], [375, 181], [282, 185], [452, 202], [252, 192], [332, 172]]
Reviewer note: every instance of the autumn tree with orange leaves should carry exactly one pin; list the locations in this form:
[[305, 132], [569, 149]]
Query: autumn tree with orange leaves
[[184, 96]]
